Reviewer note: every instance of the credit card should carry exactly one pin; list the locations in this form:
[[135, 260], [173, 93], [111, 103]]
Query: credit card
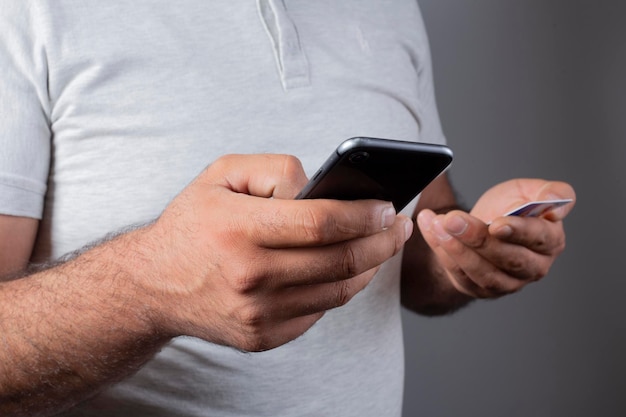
[[538, 208]]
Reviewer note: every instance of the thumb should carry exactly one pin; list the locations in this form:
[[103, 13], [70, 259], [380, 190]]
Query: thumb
[[557, 190]]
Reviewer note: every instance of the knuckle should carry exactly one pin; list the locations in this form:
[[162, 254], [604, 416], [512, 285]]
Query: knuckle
[[251, 318], [542, 271], [344, 293], [493, 286], [252, 322], [254, 343], [291, 166], [541, 242], [560, 247], [317, 228], [222, 162], [349, 261], [515, 265], [479, 241], [244, 279], [550, 241]]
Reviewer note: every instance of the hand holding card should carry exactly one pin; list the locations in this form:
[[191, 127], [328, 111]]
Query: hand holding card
[[488, 261]]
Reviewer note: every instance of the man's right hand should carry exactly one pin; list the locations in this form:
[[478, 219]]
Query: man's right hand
[[236, 261], [233, 260]]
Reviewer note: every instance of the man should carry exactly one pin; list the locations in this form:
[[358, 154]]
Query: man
[[110, 113]]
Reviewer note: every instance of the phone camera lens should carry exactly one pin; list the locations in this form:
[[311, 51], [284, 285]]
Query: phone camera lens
[[359, 157]]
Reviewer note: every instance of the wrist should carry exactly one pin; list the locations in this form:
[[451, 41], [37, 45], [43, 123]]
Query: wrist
[[76, 327], [427, 286], [138, 276], [433, 294]]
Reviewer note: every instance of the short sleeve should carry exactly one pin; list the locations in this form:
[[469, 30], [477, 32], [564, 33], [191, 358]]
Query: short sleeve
[[25, 137]]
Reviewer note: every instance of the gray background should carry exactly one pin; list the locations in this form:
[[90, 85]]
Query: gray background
[[533, 88]]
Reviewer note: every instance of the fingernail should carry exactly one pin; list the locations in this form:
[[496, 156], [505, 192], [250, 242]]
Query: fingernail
[[425, 219], [456, 225], [408, 229], [389, 216], [503, 232], [440, 232]]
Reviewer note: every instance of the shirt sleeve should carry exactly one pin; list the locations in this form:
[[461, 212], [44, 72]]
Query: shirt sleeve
[[25, 136]]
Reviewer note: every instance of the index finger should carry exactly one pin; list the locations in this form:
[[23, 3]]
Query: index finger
[[263, 175], [537, 234], [254, 194]]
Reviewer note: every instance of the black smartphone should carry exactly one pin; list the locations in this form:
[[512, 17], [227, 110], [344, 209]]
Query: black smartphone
[[382, 169]]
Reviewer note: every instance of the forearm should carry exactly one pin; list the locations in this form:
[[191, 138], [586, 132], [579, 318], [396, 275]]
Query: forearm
[[71, 330], [425, 286]]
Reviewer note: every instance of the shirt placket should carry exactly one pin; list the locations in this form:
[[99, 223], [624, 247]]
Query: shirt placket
[[291, 60]]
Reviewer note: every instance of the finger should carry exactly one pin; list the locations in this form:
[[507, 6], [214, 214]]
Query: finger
[[537, 234], [486, 283], [264, 175], [555, 190], [305, 300], [296, 223], [469, 230], [279, 223], [468, 270], [514, 261], [331, 263], [526, 255], [438, 239], [289, 330], [271, 324], [259, 337], [474, 274]]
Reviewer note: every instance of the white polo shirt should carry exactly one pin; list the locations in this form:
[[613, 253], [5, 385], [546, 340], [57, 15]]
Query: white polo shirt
[[109, 108]]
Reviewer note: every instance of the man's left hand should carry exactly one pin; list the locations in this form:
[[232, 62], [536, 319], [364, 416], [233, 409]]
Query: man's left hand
[[486, 255]]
